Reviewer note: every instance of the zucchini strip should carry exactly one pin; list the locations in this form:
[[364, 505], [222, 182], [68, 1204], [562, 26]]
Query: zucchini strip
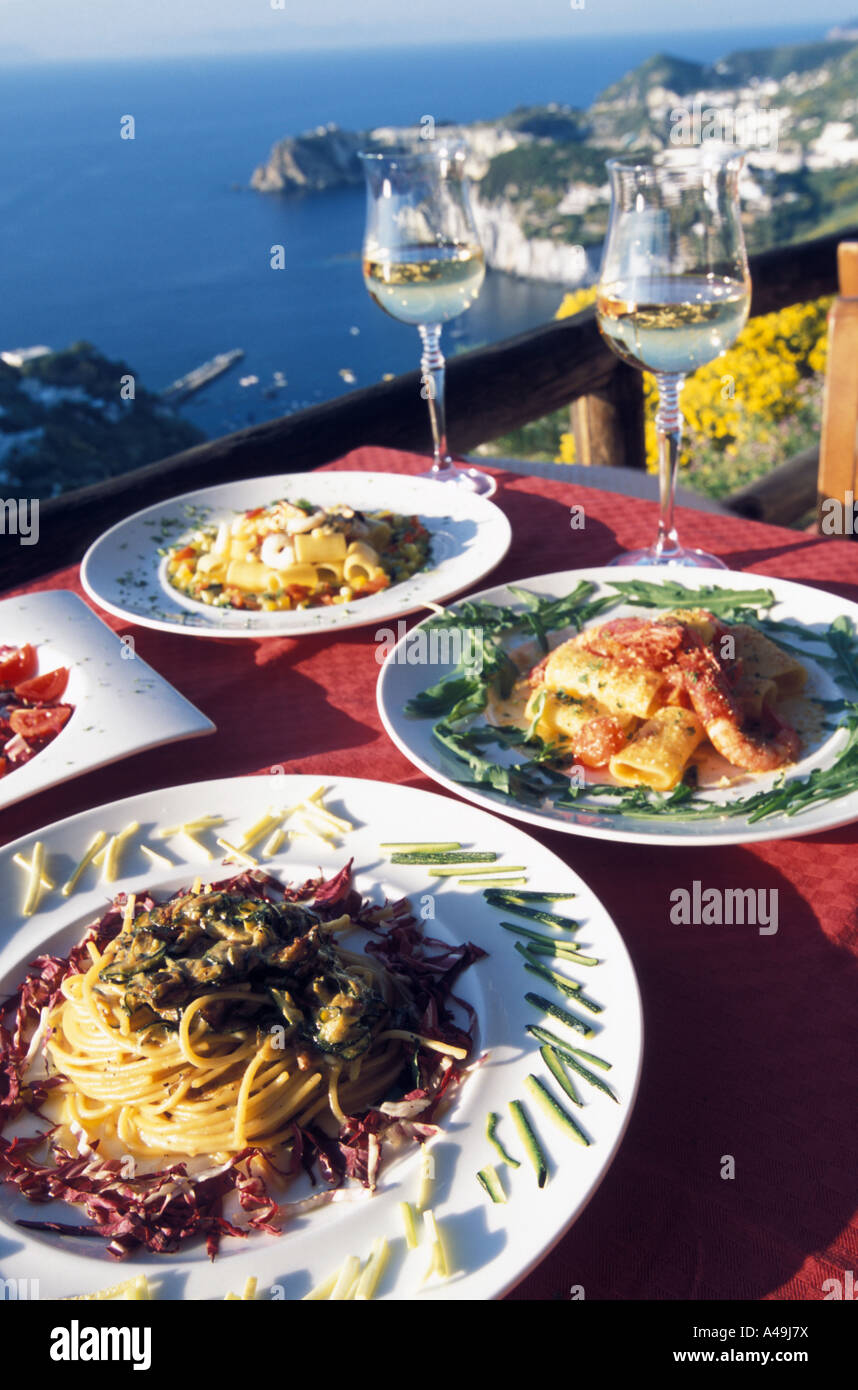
[[555, 1066], [490, 1182], [492, 1121], [464, 856], [544, 1035], [531, 1143], [579, 1025], [552, 1107]]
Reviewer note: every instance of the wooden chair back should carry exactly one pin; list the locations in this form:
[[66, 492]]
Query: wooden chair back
[[838, 450]]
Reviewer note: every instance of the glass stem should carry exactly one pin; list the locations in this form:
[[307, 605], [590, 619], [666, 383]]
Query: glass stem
[[432, 390], [668, 424]]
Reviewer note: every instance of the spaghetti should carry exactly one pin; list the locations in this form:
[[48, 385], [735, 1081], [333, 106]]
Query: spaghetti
[[229, 1021]]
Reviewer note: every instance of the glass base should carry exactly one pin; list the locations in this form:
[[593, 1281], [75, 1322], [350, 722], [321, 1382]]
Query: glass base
[[471, 478], [677, 555]]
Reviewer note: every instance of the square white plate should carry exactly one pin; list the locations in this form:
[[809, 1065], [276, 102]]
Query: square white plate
[[121, 705]]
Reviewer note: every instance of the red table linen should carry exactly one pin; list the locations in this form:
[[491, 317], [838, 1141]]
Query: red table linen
[[750, 1039]]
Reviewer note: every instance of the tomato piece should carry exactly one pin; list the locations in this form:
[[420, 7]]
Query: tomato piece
[[2, 767], [297, 592], [43, 689], [186, 553], [37, 723], [598, 741], [19, 666], [374, 586]]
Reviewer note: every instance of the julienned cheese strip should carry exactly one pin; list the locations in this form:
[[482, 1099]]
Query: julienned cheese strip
[[94, 846]]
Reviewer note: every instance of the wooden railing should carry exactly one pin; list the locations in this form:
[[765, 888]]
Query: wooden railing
[[491, 391]]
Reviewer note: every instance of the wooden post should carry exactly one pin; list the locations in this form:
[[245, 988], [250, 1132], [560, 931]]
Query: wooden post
[[609, 425], [839, 441]]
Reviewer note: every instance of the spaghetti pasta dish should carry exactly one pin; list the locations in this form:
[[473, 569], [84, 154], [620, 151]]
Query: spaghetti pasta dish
[[641, 699], [229, 1024], [297, 555]]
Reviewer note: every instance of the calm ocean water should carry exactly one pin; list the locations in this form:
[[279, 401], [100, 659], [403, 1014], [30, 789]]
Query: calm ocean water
[[155, 250]]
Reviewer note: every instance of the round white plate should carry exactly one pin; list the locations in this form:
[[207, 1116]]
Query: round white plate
[[491, 1247], [122, 571], [401, 678]]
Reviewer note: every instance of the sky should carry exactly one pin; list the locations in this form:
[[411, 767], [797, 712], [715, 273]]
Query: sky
[[57, 30]]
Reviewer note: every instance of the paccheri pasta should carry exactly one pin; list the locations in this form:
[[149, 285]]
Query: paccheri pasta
[[226, 1025], [639, 698], [297, 555]]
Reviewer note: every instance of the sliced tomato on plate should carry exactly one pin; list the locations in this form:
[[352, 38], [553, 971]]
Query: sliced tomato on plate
[[38, 723], [19, 666], [43, 689]]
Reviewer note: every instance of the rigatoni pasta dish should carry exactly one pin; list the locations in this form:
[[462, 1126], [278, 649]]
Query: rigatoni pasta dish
[[297, 555], [641, 699], [228, 1025]]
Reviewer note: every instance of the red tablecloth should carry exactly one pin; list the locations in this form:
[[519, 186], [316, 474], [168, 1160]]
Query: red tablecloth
[[750, 1040]]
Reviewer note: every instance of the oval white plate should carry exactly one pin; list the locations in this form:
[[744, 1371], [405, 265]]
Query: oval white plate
[[122, 570], [491, 1246], [399, 681], [121, 705]]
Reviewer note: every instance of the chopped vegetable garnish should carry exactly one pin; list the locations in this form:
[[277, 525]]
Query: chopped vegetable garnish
[[95, 845], [492, 1121], [555, 1066], [427, 1178], [322, 1290], [580, 1025], [544, 946], [155, 858], [543, 1096], [530, 896], [463, 856], [248, 1294], [489, 1180], [373, 1269], [346, 1279], [137, 1288], [34, 887], [412, 1240], [530, 1141], [237, 853], [534, 914], [420, 846], [567, 1053], [190, 827], [438, 1261], [508, 882], [26, 864], [196, 844], [568, 987], [486, 873]]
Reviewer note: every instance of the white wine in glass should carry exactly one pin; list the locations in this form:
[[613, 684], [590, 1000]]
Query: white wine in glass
[[674, 292], [423, 265]]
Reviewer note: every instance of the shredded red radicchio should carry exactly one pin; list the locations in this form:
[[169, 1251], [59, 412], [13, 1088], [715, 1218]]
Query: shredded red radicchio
[[162, 1210]]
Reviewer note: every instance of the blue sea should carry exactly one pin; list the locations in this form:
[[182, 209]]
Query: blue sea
[[156, 250]]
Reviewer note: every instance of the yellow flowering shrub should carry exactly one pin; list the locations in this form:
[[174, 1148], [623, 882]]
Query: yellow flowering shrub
[[742, 403]]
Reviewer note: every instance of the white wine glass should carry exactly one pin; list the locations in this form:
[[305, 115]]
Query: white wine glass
[[423, 265], [674, 291]]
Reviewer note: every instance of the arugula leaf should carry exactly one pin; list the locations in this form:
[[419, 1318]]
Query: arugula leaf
[[841, 640], [445, 695], [668, 593]]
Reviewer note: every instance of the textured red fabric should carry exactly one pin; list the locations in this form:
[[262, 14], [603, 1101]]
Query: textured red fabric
[[750, 1040]]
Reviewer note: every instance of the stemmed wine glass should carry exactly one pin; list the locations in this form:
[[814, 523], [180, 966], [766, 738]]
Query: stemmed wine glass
[[674, 292], [423, 264]]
